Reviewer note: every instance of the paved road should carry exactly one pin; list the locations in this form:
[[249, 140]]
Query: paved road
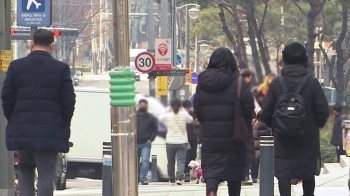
[[86, 187], [102, 81]]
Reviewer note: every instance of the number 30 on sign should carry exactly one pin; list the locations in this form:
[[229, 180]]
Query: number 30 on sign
[[144, 62]]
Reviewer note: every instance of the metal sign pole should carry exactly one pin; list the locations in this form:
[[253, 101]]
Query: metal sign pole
[[173, 38], [164, 9], [6, 165], [123, 111]]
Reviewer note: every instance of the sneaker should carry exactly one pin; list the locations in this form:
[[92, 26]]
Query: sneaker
[[172, 181], [187, 177], [255, 180], [145, 182], [178, 182]]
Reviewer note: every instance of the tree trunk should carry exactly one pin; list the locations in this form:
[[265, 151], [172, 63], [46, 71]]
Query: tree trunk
[[340, 57], [258, 35], [252, 42], [236, 49], [315, 9], [240, 34]]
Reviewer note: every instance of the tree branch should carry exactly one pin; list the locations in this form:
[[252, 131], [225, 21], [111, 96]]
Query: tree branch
[[264, 14], [230, 6], [300, 9]]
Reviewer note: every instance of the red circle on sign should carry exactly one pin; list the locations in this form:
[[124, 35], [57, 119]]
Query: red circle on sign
[[144, 62], [163, 49]]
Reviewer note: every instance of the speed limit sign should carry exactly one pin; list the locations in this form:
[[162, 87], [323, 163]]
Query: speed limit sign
[[144, 62]]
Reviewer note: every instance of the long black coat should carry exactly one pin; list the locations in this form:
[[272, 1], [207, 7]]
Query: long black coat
[[298, 158], [214, 105], [38, 101]]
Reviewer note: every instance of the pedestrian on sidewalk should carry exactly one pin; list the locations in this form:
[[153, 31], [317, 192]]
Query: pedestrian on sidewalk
[[176, 119], [295, 108], [223, 159], [337, 134], [192, 135], [38, 101], [147, 129]]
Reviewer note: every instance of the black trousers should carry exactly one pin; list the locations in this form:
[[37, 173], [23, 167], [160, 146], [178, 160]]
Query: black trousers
[[234, 187], [285, 187], [191, 155], [254, 168]]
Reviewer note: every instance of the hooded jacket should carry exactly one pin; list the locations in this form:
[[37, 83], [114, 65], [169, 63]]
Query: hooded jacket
[[214, 105], [298, 158]]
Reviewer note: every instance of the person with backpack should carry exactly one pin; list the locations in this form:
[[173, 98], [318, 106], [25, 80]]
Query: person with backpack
[[295, 108]]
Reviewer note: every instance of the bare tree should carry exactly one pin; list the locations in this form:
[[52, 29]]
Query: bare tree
[[336, 64], [316, 7]]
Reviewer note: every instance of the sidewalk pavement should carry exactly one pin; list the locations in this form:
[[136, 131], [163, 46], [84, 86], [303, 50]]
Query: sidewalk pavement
[[333, 188]]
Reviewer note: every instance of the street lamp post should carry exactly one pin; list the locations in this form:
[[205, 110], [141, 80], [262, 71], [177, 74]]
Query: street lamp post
[[192, 13]]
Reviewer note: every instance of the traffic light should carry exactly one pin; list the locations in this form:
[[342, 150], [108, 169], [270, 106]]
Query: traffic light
[[188, 75], [56, 33], [23, 33], [64, 32]]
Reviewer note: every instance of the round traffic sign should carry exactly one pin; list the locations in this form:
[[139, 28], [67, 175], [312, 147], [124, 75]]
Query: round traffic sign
[[144, 62]]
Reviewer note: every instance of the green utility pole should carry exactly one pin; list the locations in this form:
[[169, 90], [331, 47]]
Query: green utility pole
[[6, 165]]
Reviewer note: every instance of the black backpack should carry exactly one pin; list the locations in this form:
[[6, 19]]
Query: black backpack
[[290, 118]]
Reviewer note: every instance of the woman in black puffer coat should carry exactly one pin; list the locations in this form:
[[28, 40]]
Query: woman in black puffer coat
[[214, 104]]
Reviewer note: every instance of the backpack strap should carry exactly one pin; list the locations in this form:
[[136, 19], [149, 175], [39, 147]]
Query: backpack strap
[[283, 83], [301, 85], [239, 87], [297, 89]]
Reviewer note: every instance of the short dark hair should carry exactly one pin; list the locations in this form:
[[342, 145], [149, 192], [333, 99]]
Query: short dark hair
[[187, 104], [337, 108], [143, 101], [43, 37], [245, 73]]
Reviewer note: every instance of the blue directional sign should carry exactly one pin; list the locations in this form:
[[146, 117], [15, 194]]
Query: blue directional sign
[[34, 13], [178, 59], [194, 78]]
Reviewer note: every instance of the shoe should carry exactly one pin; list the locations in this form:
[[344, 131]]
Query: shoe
[[212, 194], [255, 180], [145, 182], [172, 181], [178, 182], [187, 177]]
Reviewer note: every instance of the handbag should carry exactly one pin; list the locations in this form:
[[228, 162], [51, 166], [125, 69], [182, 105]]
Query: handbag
[[188, 144], [241, 132]]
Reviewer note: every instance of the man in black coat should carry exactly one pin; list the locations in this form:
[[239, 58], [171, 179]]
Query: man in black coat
[[337, 134], [38, 101], [297, 157], [147, 129]]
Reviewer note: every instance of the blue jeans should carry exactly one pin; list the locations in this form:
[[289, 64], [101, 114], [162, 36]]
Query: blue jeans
[[144, 152]]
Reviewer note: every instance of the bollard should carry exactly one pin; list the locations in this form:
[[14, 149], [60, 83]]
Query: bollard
[[266, 166], [346, 141], [107, 169], [154, 169]]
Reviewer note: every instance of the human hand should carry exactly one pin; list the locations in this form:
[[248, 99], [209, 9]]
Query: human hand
[[196, 122]]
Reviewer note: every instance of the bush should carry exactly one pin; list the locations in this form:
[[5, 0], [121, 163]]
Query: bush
[[328, 154]]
